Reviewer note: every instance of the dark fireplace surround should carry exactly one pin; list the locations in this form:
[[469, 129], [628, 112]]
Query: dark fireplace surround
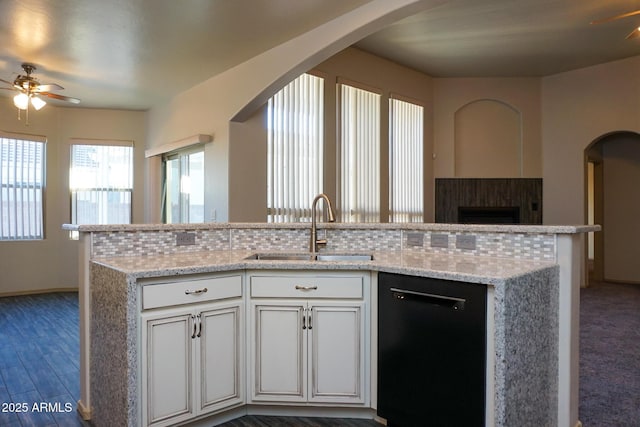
[[489, 200]]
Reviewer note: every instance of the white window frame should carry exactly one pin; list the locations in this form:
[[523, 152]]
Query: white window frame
[[101, 187], [26, 184], [184, 202]]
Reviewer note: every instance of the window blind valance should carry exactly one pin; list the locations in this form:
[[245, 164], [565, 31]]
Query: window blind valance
[[22, 136], [110, 142], [178, 145]]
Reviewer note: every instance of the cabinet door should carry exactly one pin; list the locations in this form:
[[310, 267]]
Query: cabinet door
[[279, 356], [336, 336], [167, 368], [220, 350]]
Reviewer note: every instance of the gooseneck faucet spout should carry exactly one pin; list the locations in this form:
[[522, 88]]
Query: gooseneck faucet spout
[[314, 242]]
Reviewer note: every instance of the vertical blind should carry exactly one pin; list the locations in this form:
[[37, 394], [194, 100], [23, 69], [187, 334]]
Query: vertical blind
[[406, 130], [295, 119], [101, 183], [22, 172], [359, 155]]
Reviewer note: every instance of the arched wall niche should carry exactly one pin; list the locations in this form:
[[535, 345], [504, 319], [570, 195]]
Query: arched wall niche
[[488, 140]]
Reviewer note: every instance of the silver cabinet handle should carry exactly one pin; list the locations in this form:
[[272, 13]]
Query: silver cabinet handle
[[304, 318], [310, 317], [199, 326], [193, 319], [306, 288], [196, 292]]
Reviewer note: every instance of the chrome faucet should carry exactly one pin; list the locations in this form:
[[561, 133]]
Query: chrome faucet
[[313, 244]]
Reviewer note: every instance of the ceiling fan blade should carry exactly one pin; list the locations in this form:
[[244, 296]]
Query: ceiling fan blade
[[7, 82], [613, 18], [60, 97], [48, 87], [634, 34]]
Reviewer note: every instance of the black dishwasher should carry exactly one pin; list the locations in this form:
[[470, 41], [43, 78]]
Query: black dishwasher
[[431, 351]]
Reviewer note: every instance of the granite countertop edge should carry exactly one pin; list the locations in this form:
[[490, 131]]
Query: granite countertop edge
[[488, 228], [473, 269]]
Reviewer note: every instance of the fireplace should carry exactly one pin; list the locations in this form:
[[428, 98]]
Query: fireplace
[[488, 215], [488, 200]]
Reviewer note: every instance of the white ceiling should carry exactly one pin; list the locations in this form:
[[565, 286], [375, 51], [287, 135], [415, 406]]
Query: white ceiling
[[133, 53], [509, 38]]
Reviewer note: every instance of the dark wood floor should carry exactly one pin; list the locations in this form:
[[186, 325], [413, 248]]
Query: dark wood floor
[[39, 365], [270, 421], [39, 354]]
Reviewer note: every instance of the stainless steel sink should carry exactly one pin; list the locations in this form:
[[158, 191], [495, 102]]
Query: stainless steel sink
[[344, 257], [282, 257], [309, 257]]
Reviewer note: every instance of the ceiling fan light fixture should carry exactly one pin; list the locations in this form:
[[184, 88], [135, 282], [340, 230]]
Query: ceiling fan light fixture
[[37, 103], [21, 101]]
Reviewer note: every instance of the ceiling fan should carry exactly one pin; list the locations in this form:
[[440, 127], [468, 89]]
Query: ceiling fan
[[30, 86], [31, 91], [633, 34]]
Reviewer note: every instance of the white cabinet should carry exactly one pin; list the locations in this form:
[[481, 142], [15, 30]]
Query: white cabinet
[[337, 352], [191, 354], [167, 377], [308, 338]]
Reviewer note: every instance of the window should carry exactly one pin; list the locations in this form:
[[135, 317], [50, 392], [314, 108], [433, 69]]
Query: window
[[359, 155], [183, 200], [405, 161], [295, 123], [22, 166], [101, 182]]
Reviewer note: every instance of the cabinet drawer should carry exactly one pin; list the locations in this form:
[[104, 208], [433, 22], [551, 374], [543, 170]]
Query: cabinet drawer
[[190, 291], [306, 287]]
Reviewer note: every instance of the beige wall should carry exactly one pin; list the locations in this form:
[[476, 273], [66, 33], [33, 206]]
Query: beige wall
[[560, 116], [248, 161], [621, 170], [52, 263], [453, 94], [579, 107], [237, 93], [248, 139], [487, 140]]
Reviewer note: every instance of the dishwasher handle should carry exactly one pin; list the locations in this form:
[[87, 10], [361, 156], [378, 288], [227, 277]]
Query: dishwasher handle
[[441, 300]]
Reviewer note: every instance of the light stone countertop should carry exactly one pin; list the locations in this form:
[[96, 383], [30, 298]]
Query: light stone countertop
[[489, 228], [474, 269]]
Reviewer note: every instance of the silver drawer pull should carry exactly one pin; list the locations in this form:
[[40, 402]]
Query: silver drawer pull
[[196, 292], [306, 288]]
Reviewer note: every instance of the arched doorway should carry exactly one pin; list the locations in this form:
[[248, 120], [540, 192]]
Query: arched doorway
[[613, 190]]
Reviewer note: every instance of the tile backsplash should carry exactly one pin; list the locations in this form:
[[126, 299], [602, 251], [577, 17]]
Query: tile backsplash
[[535, 246]]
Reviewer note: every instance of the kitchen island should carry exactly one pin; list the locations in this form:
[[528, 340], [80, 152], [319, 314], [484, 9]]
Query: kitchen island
[[532, 274]]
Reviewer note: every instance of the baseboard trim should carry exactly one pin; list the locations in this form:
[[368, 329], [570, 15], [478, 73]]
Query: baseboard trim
[[84, 412], [37, 291], [311, 411], [621, 282]]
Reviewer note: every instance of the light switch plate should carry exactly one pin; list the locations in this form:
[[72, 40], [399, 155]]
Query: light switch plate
[[415, 239], [439, 240], [185, 238], [466, 241]]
